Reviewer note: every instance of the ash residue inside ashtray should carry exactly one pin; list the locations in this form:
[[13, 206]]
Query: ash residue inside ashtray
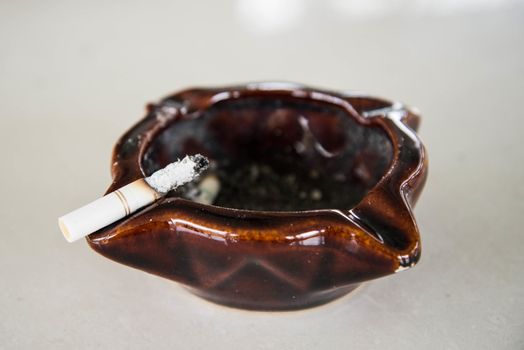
[[259, 186]]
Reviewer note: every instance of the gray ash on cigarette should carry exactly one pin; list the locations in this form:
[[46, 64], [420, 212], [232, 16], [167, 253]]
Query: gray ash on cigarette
[[177, 173], [201, 163]]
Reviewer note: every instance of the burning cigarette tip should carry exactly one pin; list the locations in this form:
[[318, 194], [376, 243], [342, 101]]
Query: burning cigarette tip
[[201, 162]]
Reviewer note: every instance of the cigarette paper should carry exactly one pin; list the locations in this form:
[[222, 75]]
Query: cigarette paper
[[128, 199], [106, 210]]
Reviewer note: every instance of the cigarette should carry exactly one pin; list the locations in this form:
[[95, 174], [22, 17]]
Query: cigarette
[[208, 189], [128, 199]]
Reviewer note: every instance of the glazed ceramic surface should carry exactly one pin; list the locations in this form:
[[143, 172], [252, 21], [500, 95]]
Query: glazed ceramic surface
[[316, 194]]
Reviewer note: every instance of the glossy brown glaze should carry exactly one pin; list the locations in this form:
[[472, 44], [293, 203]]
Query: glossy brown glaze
[[317, 191]]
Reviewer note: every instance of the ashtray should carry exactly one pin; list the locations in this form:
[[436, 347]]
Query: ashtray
[[315, 194]]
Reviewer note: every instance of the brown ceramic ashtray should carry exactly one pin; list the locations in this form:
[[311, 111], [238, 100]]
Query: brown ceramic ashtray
[[316, 194]]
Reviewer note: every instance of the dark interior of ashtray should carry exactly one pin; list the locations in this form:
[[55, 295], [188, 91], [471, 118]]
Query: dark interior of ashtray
[[278, 154]]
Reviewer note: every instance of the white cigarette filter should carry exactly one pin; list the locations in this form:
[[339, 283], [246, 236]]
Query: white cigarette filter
[[128, 199]]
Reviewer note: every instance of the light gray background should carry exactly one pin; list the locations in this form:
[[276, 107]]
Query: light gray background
[[75, 74]]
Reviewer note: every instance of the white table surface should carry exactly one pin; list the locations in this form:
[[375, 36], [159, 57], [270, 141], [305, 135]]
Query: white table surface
[[75, 74]]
